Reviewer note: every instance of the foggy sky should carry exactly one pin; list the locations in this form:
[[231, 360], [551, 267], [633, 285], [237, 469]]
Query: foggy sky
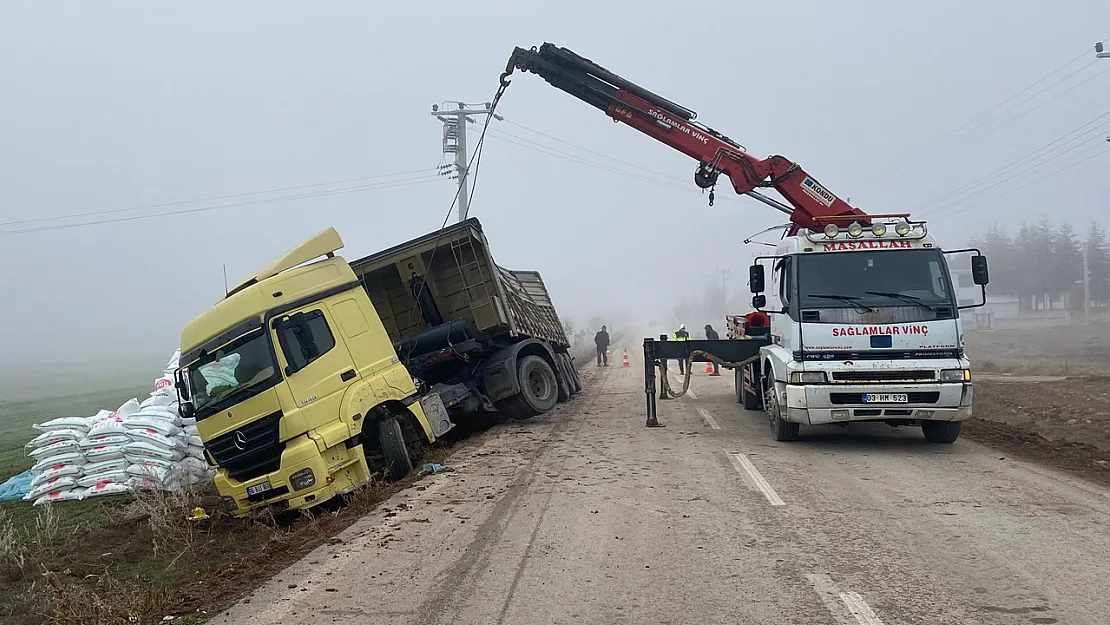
[[109, 105]]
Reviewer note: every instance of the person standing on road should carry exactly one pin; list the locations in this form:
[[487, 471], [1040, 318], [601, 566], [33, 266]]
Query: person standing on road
[[601, 341], [712, 335], [681, 335]]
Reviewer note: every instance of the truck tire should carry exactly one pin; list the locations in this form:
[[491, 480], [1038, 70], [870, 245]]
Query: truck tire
[[782, 430], [539, 390], [941, 431], [391, 435], [749, 400]]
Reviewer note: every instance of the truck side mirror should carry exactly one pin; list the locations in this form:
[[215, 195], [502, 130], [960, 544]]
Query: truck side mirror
[[759, 301], [756, 278], [979, 273]]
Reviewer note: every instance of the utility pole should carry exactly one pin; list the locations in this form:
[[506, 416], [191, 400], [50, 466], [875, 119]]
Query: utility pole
[[724, 281], [454, 141]]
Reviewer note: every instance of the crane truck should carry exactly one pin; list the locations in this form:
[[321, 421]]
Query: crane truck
[[864, 323], [314, 373]]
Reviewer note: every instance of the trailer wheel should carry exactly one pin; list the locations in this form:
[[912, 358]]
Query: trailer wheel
[[539, 390], [398, 463], [748, 399], [941, 431]]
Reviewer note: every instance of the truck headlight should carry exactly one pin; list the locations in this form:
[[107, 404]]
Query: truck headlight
[[808, 377], [955, 375], [302, 479]]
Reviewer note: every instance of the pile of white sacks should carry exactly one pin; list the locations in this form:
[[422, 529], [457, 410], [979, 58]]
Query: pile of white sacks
[[139, 446]]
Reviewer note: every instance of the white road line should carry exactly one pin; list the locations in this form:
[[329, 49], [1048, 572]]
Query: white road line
[[847, 607], [742, 465], [708, 418], [859, 609]]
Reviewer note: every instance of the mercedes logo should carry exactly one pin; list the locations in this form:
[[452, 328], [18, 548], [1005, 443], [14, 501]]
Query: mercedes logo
[[240, 440]]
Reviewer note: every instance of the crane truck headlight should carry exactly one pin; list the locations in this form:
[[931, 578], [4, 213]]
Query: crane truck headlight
[[902, 228], [831, 231], [878, 229], [955, 375], [808, 377], [855, 230]]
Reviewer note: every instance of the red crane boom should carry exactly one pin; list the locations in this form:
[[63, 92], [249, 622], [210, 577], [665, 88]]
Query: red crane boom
[[812, 205]]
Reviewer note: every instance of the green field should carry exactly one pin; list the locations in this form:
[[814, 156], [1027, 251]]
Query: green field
[[17, 417]]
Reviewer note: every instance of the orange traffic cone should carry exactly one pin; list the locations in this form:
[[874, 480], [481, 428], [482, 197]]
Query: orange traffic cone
[[624, 364], [708, 367]]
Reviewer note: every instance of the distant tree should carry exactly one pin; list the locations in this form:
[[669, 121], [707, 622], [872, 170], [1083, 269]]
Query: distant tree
[[1066, 267], [568, 329], [1098, 263], [682, 312], [596, 323]]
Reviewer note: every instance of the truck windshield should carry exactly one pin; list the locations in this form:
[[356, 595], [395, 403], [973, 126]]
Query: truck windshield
[[230, 374], [873, 279]]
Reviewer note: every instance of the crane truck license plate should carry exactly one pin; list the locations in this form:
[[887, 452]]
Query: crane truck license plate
[[258, 488], [885, 398]]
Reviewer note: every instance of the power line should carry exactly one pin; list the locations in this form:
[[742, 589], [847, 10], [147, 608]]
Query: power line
[[585, 149], [1006, 101], [382, 185], [957, 209], [1052, 99], [1018, 173], [574, 158], [1021, 159], [214, 198]]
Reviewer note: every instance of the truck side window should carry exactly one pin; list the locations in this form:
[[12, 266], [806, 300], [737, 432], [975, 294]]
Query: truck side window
[[300, 354], [786, 281]]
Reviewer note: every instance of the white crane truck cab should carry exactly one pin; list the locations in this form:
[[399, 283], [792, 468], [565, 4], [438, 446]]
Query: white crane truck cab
[[865, 326]]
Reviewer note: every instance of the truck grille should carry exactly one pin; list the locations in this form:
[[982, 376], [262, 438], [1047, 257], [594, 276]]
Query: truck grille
[[883, 375], [915, 397], [250, 451]]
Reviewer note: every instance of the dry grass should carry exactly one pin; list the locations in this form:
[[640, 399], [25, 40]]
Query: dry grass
[[108, 602], [173, 532]]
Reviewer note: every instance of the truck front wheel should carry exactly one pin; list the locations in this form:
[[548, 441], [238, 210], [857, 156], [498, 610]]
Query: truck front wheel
[[781, 430], [539, 390], [941, 431], [391, 436]]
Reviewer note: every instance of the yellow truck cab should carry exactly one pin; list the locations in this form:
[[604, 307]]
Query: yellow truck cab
[[289, 375], [315, 373]]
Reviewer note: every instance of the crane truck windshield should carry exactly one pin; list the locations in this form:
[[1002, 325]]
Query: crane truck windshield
[[874, 279], [230, 374]]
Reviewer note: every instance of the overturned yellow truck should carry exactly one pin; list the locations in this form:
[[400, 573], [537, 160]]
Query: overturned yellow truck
[[315, 373]]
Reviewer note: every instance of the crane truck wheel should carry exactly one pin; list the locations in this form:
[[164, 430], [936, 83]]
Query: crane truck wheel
[[539, 390], [391, 436], [941, 431], [781, 430]]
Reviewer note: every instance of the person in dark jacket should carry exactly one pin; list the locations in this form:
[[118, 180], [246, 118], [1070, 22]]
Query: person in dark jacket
[[712, 335], [601, 341]]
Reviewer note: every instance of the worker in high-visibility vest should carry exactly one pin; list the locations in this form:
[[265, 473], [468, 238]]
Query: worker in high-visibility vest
[[681, 335]]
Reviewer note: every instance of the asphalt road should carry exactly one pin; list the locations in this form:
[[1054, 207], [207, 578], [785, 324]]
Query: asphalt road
[[585, 516]]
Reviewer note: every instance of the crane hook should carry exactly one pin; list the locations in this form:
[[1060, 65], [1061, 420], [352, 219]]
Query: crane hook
[[711, 196]]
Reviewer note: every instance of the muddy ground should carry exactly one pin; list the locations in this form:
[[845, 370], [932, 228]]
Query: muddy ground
[[1045, 395]]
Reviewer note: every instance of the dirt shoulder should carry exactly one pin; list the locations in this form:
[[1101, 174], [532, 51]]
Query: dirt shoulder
[[1044, 395]]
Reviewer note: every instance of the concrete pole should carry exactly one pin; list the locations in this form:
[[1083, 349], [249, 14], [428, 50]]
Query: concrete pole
[[461, 167], [454, 141]]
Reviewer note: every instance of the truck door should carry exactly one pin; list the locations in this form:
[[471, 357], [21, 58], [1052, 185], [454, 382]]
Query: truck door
[[317, 367]]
